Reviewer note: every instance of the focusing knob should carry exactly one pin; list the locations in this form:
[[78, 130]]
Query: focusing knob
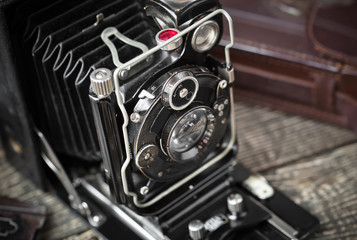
[[235, 205], [180, 90], [102, 82], [196, 229]]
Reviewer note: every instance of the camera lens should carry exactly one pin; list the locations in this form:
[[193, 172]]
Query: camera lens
[[188, 130], [187, 136], [183, 127]]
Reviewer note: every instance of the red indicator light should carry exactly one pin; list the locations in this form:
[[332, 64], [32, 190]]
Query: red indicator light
[[167, 34]]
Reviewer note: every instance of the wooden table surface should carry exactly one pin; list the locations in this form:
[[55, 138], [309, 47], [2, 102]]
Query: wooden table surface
[[312, 162]]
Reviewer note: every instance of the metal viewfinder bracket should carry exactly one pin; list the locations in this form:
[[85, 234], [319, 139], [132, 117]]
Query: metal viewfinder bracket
[[127, 71], [229, 74]]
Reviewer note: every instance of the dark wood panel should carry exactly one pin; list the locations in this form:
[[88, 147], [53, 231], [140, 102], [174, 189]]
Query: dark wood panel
[[271, 138], [312, 162], [326, 185]]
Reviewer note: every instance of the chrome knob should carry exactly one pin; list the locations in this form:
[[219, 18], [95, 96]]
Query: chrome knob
[[102, 82], [235, 203], [196, 229], [180, 90]]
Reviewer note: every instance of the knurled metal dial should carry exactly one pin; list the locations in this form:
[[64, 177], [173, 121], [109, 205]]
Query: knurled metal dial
[[196, 230], [102, 82], [235, 203]]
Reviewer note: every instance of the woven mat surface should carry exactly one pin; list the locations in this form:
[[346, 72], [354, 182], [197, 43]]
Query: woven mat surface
[[61, 221], [312, 162]]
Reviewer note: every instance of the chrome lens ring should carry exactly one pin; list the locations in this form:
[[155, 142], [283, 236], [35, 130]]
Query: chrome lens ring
[[205, 36], [164, 35]]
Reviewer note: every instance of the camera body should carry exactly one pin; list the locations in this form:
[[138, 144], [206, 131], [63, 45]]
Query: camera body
[[135, 108], [177, 104]]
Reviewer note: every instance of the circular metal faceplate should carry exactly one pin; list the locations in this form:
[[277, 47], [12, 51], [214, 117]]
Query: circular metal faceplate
[[154, 130], [180, 90], [146, 156]]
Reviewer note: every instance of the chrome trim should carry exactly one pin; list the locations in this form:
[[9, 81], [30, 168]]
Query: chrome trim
[[142, 226]]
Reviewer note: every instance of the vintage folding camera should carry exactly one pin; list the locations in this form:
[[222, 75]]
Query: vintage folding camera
[[136, 119]]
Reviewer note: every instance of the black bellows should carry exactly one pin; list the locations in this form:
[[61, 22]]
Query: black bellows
[[58, 45]]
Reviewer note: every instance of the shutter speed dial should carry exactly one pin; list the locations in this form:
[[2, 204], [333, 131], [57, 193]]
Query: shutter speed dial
[[180, 90]]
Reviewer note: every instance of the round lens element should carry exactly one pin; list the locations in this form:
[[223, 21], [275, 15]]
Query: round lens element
[[205, 36], [188, 131], [167, 34], [188, 136]]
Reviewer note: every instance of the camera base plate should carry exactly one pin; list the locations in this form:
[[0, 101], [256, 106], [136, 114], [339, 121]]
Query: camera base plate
[[276, 217]]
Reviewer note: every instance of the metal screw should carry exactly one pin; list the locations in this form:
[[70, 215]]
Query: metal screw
[[183, 93], [226, 101], [124, 74], [96, 218], [100, 75], [135, 117], [215, 107], [220, 114], [224, 121], [149, 58], [147, 156], [223, 84], [160, 174], [221, 107], [144, 190]]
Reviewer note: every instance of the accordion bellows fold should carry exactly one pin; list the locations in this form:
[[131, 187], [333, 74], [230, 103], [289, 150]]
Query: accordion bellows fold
[[61, 46]]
